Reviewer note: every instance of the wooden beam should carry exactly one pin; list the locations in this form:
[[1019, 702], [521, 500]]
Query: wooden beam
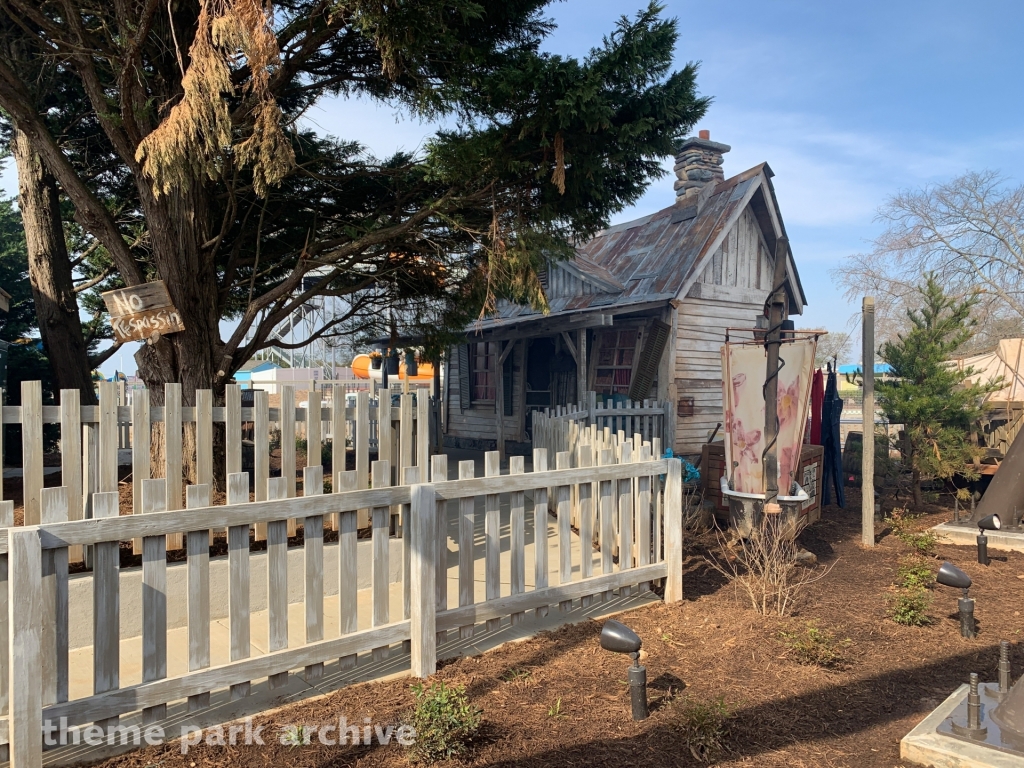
[[572, 347]]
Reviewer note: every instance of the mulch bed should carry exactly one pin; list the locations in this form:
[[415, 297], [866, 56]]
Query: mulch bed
[[708, 647]]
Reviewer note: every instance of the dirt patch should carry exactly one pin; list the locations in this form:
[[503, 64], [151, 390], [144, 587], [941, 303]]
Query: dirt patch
[[558, 700]]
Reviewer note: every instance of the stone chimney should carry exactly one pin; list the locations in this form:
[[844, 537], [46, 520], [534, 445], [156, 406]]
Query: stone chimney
[[698, 163]]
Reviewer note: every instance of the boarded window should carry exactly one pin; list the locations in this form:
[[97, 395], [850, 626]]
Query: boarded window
[[465, 396], [507, 372], [647, 367], [482, 356], [616, 353]]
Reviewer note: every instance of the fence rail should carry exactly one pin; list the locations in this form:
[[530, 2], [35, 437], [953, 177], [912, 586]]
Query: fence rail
[[621, 504]]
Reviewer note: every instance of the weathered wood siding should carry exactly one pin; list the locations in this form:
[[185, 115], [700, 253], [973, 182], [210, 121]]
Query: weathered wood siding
[[729, 293], [742, 261], [478, 422]]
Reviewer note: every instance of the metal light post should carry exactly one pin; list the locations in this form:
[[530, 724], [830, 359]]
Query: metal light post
[[619, 638]]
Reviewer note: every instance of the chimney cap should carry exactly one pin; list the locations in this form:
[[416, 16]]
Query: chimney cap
[[704, 135], [702, 143]]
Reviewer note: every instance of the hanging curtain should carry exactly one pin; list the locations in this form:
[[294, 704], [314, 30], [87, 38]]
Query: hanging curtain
[[831, 413], [817, 402]]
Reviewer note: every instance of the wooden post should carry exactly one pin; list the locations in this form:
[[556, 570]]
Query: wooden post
[[867, 467], [776, 316], [581, 366], [24, 663], [422, 617], [674, 532], [32, 448]]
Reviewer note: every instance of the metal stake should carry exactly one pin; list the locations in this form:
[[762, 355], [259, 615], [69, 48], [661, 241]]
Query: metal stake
[[1004, 667]]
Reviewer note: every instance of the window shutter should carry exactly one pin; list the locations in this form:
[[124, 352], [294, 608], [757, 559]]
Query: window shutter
[[647, 366], [506, 382], [464, 378]]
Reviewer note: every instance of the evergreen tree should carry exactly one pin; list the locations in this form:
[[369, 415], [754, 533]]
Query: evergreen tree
[[201, 178], [934, 401]]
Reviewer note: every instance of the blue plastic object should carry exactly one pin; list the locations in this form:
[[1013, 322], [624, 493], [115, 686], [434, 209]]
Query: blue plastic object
[[690, 473]]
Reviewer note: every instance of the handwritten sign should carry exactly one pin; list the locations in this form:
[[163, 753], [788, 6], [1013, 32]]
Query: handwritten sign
[[138, 312]]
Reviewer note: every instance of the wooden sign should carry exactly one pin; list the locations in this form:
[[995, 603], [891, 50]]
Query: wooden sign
[[139, 312]]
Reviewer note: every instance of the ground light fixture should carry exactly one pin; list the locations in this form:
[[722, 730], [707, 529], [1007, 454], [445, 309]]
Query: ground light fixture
[[951, 576], [990, 523], [618, 638]]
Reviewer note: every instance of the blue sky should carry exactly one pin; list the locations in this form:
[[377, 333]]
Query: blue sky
[[848, 103]]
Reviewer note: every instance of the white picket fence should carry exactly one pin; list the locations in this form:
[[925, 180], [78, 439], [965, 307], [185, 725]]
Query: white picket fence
[[563, 428], [90, 437], [621, 504]]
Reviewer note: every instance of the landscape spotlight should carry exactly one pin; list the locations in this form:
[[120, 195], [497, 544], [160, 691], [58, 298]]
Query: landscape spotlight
[[618, 638], [990, 523], [951, 576]]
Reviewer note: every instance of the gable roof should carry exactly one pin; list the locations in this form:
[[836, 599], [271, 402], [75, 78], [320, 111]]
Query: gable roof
[[656, 258]]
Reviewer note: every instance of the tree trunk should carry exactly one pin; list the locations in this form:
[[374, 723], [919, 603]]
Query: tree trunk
[[178, 227], [49, 269]]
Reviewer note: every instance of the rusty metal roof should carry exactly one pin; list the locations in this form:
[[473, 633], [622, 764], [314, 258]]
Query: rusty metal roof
[[652, 258]]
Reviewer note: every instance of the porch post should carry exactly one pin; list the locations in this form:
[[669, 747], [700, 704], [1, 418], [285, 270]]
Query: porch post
[[581, 366]]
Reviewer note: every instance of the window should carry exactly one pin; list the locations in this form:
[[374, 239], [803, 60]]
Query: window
[[616, 351], [482, 355]]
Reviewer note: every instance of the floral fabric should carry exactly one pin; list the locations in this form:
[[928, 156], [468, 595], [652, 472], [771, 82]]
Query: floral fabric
[[743, 375]]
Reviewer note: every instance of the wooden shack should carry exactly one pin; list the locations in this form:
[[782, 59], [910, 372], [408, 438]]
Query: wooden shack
[[640, 313]]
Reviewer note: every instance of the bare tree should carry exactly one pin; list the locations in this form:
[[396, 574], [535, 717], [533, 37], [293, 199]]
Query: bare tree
[[969, 232], [833, 347]]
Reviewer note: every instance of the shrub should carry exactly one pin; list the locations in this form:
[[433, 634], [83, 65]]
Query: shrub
[[909, 606], [444, 720], [902, 524], [817, 647], [764, 566], [914, 572], [702, 726]]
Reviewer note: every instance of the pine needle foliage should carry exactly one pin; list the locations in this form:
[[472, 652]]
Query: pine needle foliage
[[198, 131], [936, 402]]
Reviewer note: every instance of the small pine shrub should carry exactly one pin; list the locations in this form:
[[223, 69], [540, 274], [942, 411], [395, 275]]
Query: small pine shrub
[[444, 720], [914, 573], [816, 647], [902, 524], [702, 726], [909, 606]]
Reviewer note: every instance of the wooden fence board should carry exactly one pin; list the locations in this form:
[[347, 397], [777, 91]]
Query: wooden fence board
[[348, 576], [277, 579], [313, 538], [198, 576], [238, 580], [467, 512], [381, 471], [154, 598], [32, 448]]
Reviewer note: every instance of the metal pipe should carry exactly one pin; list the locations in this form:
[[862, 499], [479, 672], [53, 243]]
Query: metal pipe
[[983, 549], [973, 705], [1004, 666], [966, 609], [638, 689]]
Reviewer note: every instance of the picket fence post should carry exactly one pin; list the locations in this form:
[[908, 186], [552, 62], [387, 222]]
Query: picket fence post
[[25, 668], [423, 606], [674, 532]]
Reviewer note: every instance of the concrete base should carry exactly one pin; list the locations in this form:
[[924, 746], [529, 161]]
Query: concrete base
[[925, 746], [967, 536]]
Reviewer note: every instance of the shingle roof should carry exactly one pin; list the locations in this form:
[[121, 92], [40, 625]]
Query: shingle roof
[[647, 260]]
